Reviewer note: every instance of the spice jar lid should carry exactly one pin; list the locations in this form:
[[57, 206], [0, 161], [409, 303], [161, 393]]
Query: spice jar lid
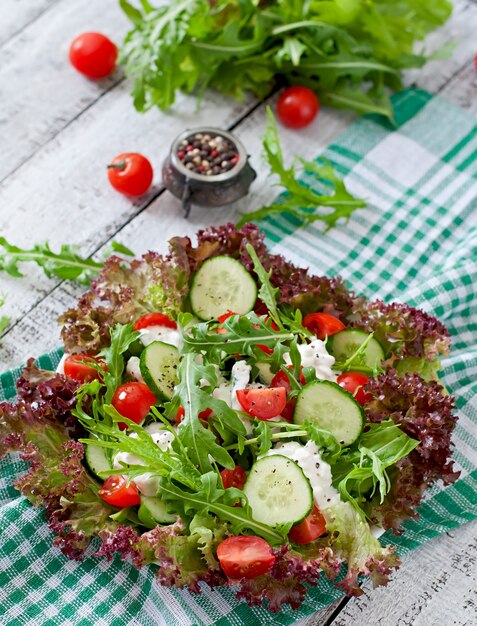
[[209, 130]]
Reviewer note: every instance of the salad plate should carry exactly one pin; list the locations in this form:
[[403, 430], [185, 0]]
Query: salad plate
[[228, 418]]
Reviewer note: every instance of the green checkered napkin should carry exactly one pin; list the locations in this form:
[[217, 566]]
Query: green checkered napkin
[[416, 242]]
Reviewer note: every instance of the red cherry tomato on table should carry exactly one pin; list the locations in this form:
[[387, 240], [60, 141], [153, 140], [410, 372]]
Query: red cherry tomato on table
[[263, 403], [154, 319], [93, 55], [245, 556], [353, 382], [322, 324], [281, 380], [297, 107], [233, 478], [134, 401], [74, 368], [130, 173], [117, 492], [312, 527]]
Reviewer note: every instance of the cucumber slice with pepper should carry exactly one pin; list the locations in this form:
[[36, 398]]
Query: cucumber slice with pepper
[[153, 511], [222, 284], [158, 365], [331, 408], [277, 491]]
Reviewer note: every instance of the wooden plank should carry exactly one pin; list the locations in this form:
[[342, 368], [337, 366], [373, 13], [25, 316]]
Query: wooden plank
[[16, 14], [436, 584], [41, 93]]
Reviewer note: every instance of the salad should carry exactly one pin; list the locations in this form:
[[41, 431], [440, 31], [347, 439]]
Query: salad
[[234, 420]]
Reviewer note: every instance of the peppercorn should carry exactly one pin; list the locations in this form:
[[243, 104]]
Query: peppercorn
[[207, 155]]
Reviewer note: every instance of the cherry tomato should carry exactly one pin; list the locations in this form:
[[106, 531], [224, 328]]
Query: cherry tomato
[[281, 380], [203, 415], [262, 347], [225, 316], [263, 403], [134, 401], [322, 325], [93, 55], [117, 492], [130, 173], [245, 556], [154, 319], [74, 368], [297, 107], [309, 529], [221, 319], [353, 382], [233, 478]]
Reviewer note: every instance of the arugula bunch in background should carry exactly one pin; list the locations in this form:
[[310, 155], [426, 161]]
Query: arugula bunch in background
[[350, 52]]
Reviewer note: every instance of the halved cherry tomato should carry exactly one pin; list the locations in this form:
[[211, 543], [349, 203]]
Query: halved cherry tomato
[[74, 368], [262, 347], [353, 382], [309, 529], [225, 316], [233, 478], [154, 319], [221, 319], [134, 401], [203, 415], [322, 325], [130, 173], [245, 556], [93, 54], [117, 492], [263, 403], [281, 380]]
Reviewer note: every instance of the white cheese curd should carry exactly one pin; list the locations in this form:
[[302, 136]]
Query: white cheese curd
[[317, 471], [240, 377], [147, 483], [161, 333], [133, 370], [315, 355]]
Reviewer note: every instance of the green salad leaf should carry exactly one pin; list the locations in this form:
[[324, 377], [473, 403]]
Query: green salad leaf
[[350, 52], [300, 200], [67, 264]]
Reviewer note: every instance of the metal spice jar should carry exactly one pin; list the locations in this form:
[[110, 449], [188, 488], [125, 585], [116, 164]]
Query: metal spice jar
[[207, 166]]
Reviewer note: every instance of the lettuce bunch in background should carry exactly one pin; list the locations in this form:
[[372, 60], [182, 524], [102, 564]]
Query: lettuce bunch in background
[[349, 51]]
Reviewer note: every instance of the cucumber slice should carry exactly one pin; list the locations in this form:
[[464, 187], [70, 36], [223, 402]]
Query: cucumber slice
[[331, 408], [98, 459], [153, 511], [158, 365], [278, 491], [222, 284], [345, 343]]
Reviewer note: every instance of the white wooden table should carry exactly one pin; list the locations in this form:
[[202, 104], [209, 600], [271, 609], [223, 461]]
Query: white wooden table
[[58, 131]]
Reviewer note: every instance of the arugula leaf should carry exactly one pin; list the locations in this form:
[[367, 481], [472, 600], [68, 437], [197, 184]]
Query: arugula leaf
[[208, 500], [200, 442], [122, 336], [241, 336], [267, 293], [66, 264], [363, 470], [300, 200]]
